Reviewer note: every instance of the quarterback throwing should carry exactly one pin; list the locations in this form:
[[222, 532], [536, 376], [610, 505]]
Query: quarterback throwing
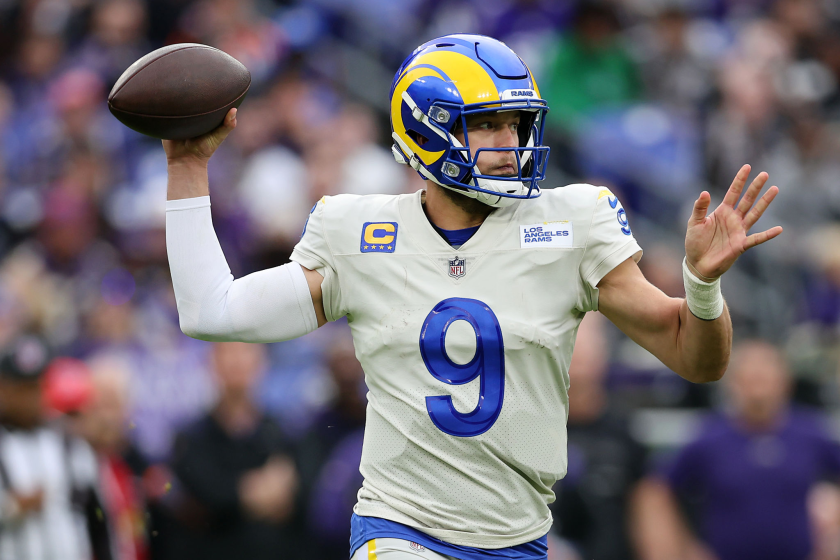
[[464, 300]]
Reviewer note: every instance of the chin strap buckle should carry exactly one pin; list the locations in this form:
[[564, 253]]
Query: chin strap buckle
[[414, 162], [398, 155]]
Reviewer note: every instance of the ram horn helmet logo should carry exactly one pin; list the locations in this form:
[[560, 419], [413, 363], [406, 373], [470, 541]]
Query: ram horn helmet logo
[[457, 267]]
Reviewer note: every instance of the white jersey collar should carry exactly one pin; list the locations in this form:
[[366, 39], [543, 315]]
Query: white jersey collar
[[419, 228]]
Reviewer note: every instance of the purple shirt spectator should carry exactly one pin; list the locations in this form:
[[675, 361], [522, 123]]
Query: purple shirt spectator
[[752, 486]]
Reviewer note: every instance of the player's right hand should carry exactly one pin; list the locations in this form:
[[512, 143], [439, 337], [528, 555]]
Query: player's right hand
[[199, 149]]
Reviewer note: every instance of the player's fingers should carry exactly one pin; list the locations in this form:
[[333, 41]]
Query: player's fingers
[[752, 192], [737, 186], [762, 237], [701, 206], [230, 119], [226, 127], [758, 210]]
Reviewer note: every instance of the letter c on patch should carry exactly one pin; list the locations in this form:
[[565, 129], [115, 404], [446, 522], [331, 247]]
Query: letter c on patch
[[379, 237], [379, 233]]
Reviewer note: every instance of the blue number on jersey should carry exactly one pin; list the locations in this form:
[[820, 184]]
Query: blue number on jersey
[[488, 363]]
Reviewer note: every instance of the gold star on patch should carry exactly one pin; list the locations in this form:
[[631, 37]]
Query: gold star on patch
[[381, 247], [366, 247], [390, 247]]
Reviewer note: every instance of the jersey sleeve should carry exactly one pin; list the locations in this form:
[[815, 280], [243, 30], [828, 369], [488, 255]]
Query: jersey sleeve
[[313, 252], [609, 243]]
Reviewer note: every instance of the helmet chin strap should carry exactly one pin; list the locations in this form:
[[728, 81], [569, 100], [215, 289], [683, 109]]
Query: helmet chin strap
[[494, 200]]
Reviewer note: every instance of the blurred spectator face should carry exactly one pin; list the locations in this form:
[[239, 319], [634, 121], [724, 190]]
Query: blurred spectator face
[[256, 124], [758, 382], [748, 91], [77, 94], [239, 366], [39, 55], [69, 225], [824, 251], [85, 173], [211, 21], [223, 13], [764, 44], [802, 17], [119, 22], [587, 370], [6, 105], [596, 25], [111, 323], [355, 125], [21, 402], [103, 420], [314, 108], [812, 136], [671, 26], [662, 266]]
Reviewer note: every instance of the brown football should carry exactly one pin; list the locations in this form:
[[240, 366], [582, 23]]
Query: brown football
[[180, 91]]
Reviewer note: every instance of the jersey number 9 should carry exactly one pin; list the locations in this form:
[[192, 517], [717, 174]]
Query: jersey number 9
[[488, 363]]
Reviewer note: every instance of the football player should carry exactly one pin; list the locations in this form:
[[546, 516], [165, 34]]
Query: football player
[[464, 300]]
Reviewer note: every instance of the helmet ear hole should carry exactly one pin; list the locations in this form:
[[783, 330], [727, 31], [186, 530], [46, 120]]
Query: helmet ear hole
[[418, 138]]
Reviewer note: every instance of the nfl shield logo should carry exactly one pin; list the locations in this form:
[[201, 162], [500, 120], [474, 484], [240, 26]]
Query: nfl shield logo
[[457, 267]]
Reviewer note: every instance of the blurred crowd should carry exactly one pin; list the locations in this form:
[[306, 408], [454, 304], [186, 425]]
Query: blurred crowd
[[657, 99]]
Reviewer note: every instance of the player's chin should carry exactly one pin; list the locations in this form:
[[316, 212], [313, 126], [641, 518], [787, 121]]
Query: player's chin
[[505, 171]]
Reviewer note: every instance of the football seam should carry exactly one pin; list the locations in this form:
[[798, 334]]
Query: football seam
[[114, 94], [179, 116]]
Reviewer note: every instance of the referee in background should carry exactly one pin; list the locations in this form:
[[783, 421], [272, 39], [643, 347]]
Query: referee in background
[[49, 501]]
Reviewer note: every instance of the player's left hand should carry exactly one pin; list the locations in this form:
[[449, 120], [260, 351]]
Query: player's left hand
[[714, 242]]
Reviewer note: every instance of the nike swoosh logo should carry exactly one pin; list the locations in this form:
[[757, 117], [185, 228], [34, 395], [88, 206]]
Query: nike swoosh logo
[[613, 201]]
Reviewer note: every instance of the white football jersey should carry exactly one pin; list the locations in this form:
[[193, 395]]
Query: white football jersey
[[466, 352]]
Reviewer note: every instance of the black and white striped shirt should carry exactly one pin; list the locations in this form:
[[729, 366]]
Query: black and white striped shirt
[[71, 524]]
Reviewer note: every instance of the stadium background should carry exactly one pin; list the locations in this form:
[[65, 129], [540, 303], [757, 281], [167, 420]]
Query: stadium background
[[657, 99]]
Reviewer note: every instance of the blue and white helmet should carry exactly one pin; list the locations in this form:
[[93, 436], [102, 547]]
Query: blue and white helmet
[[444, 81]]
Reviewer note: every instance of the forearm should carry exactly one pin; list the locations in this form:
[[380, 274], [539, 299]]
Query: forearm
[[187, 179], [705, 334], [695, 349], [655, 527], [703, 346], [658, 528]]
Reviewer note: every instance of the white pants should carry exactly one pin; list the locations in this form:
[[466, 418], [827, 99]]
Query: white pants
[[396, 549]]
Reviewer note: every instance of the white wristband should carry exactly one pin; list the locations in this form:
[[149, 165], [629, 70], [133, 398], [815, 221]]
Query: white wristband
[[703, 298]]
